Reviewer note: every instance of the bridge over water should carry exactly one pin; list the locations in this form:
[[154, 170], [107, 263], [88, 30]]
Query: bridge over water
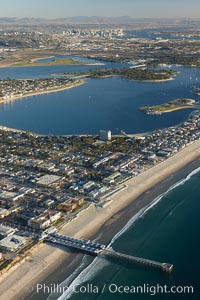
[[97, 249]]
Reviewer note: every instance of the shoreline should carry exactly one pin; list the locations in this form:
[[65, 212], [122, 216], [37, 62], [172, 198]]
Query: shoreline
[[154, 80], [92, 221], [40, 58], [170, 110], [114, 76], [178, 108], [61, 64], [44, 92], [136, 80], [30, 65]]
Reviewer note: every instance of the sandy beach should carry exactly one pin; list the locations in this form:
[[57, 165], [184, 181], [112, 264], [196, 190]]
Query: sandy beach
[[155, 80], [38, 63], [41, 58], [141, 190], [175, 109]]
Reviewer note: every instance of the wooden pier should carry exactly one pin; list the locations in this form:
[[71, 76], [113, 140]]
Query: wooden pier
[[97, 249], [165, 267]]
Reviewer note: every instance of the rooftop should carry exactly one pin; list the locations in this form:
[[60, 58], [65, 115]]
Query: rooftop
[[48, 179], [8, 196], [13, 242], [6, 230]]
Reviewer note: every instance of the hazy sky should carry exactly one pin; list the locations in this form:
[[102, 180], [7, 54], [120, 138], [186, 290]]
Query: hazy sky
[[69, 8]]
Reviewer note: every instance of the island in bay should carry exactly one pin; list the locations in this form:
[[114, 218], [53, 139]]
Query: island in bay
[[170, 106], [54, 62], [138, 73]]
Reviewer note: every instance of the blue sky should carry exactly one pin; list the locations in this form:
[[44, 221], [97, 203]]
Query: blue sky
[[69, 8]]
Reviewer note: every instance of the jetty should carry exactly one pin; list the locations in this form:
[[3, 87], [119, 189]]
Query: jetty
[[96, 249]]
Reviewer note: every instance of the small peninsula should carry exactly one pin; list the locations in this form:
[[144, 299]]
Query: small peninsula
[[169, 106], [11, 89]]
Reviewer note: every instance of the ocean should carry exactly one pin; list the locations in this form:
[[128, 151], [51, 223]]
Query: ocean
[[167, 230]]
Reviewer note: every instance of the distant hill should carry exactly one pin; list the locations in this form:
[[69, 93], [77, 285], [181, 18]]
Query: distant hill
[[76, 19], [98, 20]]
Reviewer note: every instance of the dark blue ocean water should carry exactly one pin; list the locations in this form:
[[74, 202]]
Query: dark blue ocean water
[[167, 231], [110, 103]]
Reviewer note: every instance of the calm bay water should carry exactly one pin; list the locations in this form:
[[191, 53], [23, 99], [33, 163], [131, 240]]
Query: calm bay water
[[110, 103], [153, 33]]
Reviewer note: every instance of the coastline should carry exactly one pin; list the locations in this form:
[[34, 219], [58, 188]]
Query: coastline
[[115, 76], [136, 80], [178, 108], [140, 191], [13, 65], [2, 101], [58, 64], [173, 109], [41, 58], [155, 80]]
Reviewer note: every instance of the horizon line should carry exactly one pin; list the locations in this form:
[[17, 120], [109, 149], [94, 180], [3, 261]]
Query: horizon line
[[107, 17]]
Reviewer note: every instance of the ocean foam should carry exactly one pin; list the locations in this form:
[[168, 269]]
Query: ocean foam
[[145, 209], [88, 273]]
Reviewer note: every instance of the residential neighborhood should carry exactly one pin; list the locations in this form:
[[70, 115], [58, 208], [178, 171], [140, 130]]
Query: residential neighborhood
[[47, 180], [12, 88]]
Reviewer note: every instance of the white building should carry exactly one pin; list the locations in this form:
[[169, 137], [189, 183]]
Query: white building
[[6, 231], [10, 197], [48, 180], [105, 135]]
